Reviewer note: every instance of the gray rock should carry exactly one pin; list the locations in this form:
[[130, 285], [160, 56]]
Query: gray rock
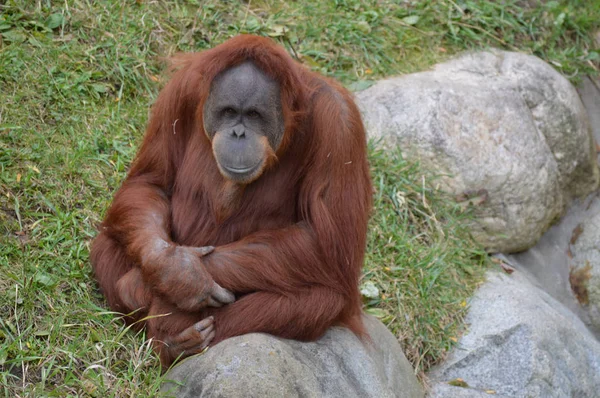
[[586, 269], [503, 124], [338, 365], [548, 263], [521, 343], [589, 92]]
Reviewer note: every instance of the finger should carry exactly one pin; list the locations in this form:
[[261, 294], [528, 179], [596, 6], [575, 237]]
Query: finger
[[189, 336], [203, 251], [205, 334], [204, 324], [208, 339], [211, 302], [222, 295]]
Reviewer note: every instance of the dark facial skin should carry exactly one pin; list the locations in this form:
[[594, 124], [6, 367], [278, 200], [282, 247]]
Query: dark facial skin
[[244, 120]]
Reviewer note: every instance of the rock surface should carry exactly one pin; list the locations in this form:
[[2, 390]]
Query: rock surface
[[504, 127], [338, 365], [585, 274], [549, 262], [589, 92], [521, 343]]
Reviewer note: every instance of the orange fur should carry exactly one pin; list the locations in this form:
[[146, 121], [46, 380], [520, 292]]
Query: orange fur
[[290, 245]]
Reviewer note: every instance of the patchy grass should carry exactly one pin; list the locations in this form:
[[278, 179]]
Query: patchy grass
[[420, 260], [77, 79]]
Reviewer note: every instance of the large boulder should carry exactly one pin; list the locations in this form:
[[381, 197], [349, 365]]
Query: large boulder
[[338, 365], [501, 129], [520, 343], [584, 275]]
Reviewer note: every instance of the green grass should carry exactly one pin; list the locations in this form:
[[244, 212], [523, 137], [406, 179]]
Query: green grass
[[76, 81], [420, 258]]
